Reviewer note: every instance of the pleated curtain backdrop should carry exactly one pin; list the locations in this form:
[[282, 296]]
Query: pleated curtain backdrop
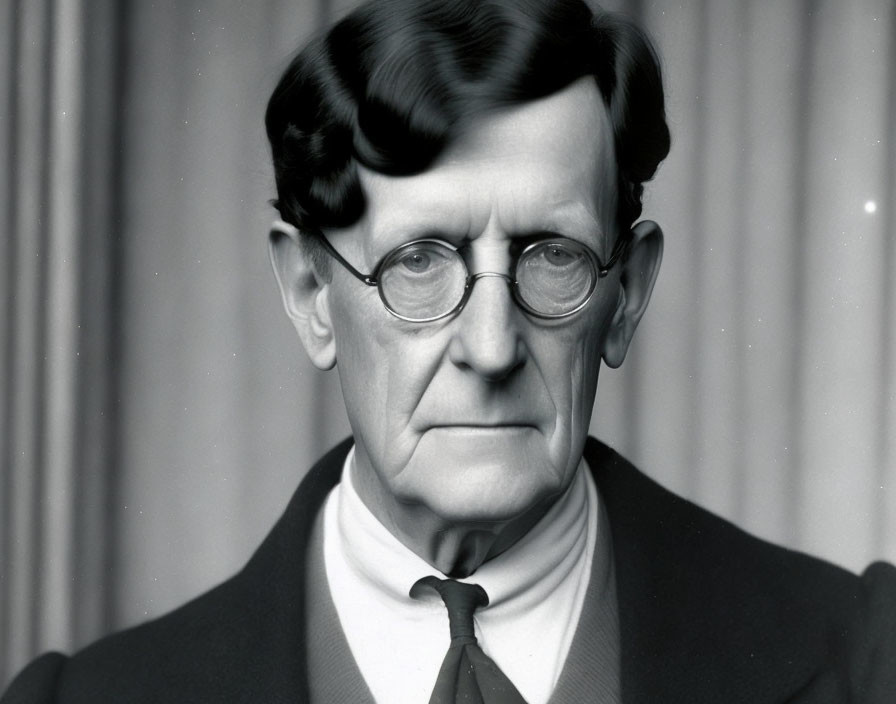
[[59, 255], [158, 411]]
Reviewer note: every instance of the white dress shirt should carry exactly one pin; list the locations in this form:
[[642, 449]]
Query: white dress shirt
[[536, 590]]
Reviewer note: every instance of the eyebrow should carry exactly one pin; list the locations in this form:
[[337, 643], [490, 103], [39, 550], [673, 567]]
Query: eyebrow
[[572, 216], [568, 218]]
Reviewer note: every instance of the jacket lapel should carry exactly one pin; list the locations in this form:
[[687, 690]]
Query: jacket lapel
[[707, 613], [273, 584]]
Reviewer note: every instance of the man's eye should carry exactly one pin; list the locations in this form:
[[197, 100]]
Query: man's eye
[[558, 255], [416, 262]]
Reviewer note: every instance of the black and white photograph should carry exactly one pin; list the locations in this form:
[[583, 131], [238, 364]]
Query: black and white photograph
[[448, 351]]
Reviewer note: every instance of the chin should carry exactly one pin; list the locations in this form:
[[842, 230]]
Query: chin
[[482, 510], [482, 477], [485, 495]]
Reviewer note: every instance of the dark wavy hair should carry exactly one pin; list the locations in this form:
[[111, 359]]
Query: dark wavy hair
[[396, 81]]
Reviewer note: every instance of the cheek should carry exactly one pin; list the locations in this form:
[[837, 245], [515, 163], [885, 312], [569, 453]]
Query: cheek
[[570, 371], [587, 365], [385, 367], [355, 349]]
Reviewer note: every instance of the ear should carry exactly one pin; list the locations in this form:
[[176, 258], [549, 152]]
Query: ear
[[304, 293], [639, 271]]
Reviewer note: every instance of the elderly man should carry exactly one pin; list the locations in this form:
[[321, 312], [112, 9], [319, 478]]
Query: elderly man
[[458, 182]]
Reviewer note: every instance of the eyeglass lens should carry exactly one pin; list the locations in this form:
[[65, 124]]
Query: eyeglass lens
[[428, 279]]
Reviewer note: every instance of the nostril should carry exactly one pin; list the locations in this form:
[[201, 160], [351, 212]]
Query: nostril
[[500, 372]]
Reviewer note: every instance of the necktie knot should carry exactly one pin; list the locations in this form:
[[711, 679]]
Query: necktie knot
[[461, 600], [467, 675]]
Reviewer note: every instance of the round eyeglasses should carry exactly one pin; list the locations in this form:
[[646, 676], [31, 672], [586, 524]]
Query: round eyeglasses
[[428, 279]]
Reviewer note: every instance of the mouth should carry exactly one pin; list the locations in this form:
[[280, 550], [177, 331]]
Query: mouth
[[483, 427]]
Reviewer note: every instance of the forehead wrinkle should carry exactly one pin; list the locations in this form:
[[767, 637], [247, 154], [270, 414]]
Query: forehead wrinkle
[[581, 206], [394, 225]]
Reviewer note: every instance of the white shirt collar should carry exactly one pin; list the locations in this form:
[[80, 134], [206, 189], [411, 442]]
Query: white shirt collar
[[535, 587]]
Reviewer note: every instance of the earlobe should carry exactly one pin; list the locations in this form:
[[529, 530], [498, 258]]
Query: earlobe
[[639, 272], [304, 293]]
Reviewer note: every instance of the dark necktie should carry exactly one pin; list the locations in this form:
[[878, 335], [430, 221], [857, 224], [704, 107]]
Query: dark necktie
[[467, 675]]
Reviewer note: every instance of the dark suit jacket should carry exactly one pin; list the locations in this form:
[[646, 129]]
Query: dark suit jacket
[[707, 614]]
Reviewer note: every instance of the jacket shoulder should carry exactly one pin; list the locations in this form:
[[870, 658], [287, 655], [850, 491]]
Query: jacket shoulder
[[742, 616], [203, 651], [37, 683], [675, 537], [875, 669], [242, 641]]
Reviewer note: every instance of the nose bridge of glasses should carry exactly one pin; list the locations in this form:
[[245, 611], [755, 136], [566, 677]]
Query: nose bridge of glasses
[[488, 307], [490, 274], [489, 302], [473, 278]]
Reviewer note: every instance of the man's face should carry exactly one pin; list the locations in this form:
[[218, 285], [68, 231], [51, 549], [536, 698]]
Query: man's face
[[481, 416]]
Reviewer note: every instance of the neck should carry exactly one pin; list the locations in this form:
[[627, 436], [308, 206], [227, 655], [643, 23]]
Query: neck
[[458, 550]]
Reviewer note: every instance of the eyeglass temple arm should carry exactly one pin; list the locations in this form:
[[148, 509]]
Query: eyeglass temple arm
[[620, 250], [368, 279], [291, 230]]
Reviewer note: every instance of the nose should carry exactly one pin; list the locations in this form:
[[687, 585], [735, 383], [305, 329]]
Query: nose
[[487, 336]]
